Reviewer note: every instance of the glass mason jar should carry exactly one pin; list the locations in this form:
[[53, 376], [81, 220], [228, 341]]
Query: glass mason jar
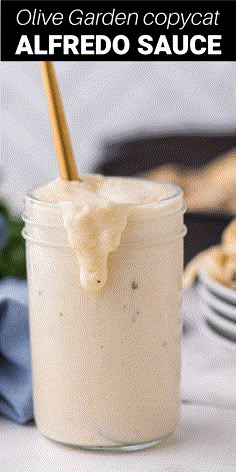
[[106, 366]]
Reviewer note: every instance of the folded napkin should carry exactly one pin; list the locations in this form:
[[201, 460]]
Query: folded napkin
[[15, 364]]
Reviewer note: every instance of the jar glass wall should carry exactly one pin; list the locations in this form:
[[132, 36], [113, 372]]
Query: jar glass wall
[[106, 366]]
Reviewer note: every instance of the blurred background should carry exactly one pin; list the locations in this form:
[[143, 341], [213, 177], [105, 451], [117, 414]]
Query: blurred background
[[126, 118]]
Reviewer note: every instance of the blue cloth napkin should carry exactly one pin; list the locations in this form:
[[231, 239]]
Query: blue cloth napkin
[[15, 363]]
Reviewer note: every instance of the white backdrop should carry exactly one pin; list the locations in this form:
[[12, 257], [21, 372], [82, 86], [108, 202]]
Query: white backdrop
[[103, 101]]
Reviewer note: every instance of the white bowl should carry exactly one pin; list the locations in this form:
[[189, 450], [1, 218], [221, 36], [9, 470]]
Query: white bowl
[[224, 308], [224, 326], [215, 337], [227, 294]]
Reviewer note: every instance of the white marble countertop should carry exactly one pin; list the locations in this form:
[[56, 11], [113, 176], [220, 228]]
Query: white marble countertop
[[204, 443]]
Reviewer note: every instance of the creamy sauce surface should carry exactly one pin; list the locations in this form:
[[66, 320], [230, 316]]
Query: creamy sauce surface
[[95, 213]]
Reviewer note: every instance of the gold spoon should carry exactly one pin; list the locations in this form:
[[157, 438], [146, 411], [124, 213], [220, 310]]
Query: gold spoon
[[65, 156]]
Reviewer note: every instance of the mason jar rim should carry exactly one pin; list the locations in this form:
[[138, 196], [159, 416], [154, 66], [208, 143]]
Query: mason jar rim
[[42, 215], [177, 192]]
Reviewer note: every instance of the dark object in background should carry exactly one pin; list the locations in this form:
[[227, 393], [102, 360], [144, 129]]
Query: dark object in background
[[141, 154], [134, 156], [204, 230]]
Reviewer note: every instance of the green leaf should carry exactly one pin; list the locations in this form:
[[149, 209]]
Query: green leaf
[[12, 258], [15, 228], [17, 261], [4, 210]]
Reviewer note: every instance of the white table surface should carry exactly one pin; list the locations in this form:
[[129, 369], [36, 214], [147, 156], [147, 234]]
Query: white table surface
[[204, 443]]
